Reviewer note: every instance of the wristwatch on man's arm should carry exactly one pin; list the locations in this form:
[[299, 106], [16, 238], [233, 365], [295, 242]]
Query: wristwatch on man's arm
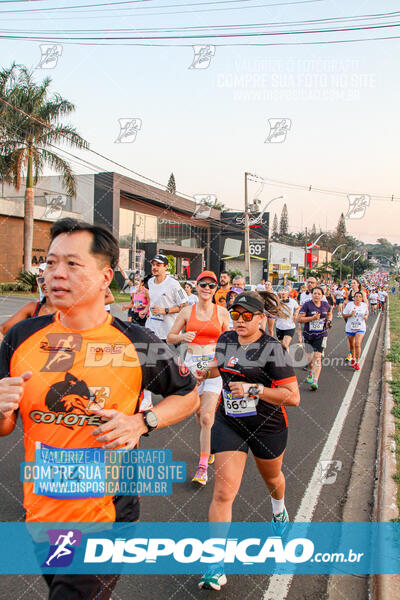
[[150, 420]]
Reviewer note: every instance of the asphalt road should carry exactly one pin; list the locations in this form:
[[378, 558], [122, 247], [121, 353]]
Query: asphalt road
[[310, 424]]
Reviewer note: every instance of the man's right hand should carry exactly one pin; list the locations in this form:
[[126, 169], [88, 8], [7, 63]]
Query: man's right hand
[[11, 392]]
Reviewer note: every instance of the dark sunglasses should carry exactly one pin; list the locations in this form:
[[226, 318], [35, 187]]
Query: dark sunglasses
[[247, 315], [204, 284]]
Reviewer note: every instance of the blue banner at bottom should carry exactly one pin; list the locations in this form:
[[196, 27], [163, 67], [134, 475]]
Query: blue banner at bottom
[[173, 548]]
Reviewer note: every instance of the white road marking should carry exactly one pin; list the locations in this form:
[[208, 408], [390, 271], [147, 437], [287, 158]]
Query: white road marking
[[279, 585]]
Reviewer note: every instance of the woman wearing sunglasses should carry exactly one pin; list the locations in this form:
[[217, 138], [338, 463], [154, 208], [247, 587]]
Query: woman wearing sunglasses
[[202, 324], [258, 382]]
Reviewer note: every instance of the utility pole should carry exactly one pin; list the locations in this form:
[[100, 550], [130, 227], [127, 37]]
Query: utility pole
[[305, 258], [326, 264], [340, 273], [133, 266], [247, 265]]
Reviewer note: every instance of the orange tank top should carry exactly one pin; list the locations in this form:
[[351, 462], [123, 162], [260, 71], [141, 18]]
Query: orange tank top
[[207, 332]]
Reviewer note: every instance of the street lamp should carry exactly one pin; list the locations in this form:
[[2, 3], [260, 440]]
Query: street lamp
[[354, 261], [247, 210], [337, 248], [341, 260], [317, 240]]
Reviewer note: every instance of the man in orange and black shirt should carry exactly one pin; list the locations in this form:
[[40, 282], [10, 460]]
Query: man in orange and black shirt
[[224, 287], [76, 378]]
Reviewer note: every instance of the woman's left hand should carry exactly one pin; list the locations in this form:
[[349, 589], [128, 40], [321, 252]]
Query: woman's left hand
[[236, 389]]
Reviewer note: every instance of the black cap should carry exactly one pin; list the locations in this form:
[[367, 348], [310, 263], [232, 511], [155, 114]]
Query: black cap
[[160, 258], [249, 303]]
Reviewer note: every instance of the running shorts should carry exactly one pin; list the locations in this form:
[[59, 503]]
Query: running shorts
[[193, 362], [139, 320], [280, 333], [352, 333], [317, 344], [232, 434], [75, 587]]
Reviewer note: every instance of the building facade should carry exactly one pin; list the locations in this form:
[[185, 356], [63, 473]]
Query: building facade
[[157, 220]]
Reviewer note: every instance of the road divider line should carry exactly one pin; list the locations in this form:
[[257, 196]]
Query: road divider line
[[279, 585]]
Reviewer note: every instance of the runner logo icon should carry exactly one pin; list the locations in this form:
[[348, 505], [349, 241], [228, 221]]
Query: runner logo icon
[[61, 553]]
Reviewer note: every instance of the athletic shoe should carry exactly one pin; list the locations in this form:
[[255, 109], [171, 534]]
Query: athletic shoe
[[348, 357], [352, 362], [214, 579], [356, 367], [280, 522], [309, 379], [201, 475], [314, 386], [211, 459]]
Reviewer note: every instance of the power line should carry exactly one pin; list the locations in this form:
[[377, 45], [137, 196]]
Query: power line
[[352, 18], [135, 2], [313, 188], [233, 35]]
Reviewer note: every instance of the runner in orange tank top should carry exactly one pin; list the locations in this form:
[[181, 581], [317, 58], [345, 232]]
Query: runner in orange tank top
[[203, 323]]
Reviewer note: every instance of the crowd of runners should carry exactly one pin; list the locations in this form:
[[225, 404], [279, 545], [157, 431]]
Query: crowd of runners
[[225, 356]]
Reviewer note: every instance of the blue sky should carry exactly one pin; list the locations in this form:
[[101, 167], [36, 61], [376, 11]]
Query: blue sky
[[208, 126]]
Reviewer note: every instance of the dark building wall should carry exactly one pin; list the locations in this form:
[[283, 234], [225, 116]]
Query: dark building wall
[[12, 245], [106, 202]]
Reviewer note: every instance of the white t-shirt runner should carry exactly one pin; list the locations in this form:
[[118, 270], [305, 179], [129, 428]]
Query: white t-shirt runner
[[166, 294], [373, 298], [289, 308], [382, 295], [356, 323]]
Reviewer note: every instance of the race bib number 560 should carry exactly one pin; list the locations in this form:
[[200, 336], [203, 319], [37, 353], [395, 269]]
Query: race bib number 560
[[239, 407]]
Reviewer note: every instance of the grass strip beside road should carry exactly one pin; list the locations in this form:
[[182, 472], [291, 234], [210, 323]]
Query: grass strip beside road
[[394, 357]]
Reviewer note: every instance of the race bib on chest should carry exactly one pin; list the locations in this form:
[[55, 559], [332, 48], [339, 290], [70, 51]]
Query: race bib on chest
[[202, 361], [156, 317], [317, 325], [355, 325], [69, 473], [239, 407]]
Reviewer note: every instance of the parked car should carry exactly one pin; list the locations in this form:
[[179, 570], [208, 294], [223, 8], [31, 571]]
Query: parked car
[[249, 288]]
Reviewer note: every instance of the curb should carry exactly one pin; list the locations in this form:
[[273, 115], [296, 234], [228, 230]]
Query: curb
[[385, 587]]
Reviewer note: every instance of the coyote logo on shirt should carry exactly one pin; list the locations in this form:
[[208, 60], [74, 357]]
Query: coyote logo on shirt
[[70, 394]]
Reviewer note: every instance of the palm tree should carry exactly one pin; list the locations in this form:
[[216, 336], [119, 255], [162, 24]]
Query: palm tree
[[27, 143]]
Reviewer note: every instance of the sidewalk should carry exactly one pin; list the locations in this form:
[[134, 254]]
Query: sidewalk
[[386, 587]]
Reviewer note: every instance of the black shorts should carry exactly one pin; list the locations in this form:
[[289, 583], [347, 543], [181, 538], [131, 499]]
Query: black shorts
[[64, 586], [229, 434], [317, 344], [139, 320], [76, 587], [339, 300], [280, 333]]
